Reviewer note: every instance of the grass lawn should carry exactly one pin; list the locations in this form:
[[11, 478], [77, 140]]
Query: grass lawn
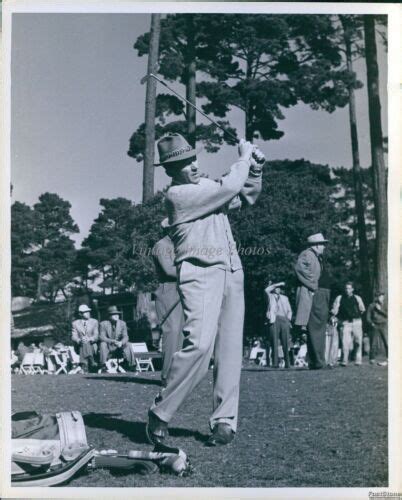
[[297, 428]]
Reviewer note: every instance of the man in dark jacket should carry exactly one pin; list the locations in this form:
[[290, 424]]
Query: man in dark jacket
[[377, 318], [167, 300], [312, 298]]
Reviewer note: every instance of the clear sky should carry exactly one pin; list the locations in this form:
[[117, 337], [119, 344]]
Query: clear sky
[[77, 98]]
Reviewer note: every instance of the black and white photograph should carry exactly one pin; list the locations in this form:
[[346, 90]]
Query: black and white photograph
[[199, 260]]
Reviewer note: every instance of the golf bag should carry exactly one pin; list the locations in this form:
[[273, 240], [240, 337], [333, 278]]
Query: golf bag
[[48, 450]]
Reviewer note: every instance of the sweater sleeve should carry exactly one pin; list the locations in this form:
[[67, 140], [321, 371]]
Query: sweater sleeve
[[193, 201], [164, 256], [251, 189], [336, 305]]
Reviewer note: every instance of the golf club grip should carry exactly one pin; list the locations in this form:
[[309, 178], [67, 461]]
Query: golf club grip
[[118, 462]]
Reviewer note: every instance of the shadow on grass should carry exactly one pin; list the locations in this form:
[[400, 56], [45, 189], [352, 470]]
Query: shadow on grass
[[135, 431], [125, 378]]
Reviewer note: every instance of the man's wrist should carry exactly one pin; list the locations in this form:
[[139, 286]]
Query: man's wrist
[[245, 159]]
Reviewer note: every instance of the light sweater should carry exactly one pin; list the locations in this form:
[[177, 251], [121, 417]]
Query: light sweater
[[200, 229]]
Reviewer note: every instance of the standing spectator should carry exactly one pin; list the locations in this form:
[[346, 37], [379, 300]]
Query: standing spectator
[[332, 342], [377, 318], [312, 298], [114, 339], [167, 300], [348, 308], [85, 335], [22, 349], [279, 316]]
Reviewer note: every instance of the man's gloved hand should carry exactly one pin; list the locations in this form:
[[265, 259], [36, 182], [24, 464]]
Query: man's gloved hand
[[245, 150], [257, 161]]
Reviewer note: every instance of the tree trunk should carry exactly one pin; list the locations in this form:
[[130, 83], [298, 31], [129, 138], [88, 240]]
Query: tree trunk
[[150, 105], [39, 287], [248, 109], [377, 156], [357, 180], [191, 81]]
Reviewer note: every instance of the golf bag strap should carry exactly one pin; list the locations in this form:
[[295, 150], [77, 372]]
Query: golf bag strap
[[73, 439]]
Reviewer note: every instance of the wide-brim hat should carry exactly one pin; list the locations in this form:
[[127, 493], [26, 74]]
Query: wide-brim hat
[[113, 310], [84, 308], [316, 239], [173, 148]]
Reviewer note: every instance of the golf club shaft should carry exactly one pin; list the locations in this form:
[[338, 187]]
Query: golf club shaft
[[195, 107]]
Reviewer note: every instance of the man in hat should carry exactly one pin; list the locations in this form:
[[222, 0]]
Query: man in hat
[[279, 316], [85, 335], [114, 339], [210, 282], [167, 300], [312, 298]]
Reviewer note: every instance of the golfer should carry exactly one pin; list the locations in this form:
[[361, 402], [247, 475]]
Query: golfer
[[210, 283]]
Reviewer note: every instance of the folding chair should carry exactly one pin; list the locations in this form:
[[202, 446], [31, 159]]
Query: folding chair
[[61, 362], [142, 362], [75, 361], [113, 365], [39, 363], [27, 364]]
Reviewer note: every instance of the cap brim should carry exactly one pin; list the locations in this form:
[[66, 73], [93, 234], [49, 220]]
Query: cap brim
[[184, 156]]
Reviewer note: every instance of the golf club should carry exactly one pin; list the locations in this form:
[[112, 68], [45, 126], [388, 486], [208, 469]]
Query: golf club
[[145, 78]]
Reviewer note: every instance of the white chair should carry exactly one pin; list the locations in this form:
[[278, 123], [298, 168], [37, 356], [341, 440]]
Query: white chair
[[75, 361], [39, 363], [113, 365], [258, 354], [142, 362], [27, 364], [60, 359]]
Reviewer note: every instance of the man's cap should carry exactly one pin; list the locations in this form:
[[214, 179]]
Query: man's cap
[[113, 310], [316, 239], [172, 148], [84, 308]]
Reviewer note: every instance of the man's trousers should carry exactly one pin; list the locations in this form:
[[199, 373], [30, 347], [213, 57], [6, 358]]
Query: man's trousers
[[280, 330], [378, 331], [213, 304], [170, 311], [316, 327], [352, 335], [109, 350]]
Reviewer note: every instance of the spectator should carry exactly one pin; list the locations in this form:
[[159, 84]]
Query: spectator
[[22, 349], [377, 318], [279, 316], [167, 300], [114, 339], [312, 298], [348, 308], [332, 343], [85, 335]]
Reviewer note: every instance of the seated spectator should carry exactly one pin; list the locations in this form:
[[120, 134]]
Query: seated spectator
[[85, 335], [22, 349], [114, 339]]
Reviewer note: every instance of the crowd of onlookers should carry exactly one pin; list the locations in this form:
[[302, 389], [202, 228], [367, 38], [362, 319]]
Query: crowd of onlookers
[[351, 332]]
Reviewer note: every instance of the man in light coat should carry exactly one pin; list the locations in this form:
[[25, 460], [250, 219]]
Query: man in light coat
[[167, 300], [349, 308], [85, 335], [210, 282], [279, 316], [114, 339], [312, 298]]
